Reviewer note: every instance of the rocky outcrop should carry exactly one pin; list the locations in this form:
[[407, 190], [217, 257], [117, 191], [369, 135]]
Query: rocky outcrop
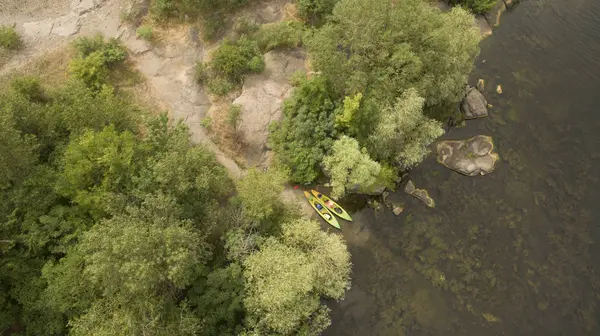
[[493, 16], [474, 104], [262, 99], [421, 194], [469, 157]]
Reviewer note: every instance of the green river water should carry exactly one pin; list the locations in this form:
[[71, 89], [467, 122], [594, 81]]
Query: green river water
[[515, 252]]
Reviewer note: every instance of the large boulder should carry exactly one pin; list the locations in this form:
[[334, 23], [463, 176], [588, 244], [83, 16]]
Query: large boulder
[[474, 104], [262, 99], [469, 157]]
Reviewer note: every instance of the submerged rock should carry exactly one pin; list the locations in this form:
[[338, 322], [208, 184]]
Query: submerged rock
[[397, 209], [474, 104], [469, 157], [421, 194]]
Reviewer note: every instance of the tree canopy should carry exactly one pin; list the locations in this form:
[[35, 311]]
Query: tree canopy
[[379, 64], [114, 223]]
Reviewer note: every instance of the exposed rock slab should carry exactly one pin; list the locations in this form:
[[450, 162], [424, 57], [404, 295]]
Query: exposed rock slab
[[474, 156], [484, 27], [80, 7], [421, 194], [38, 28], [474, 104], [493, 16], [262, 98], [66, 25]]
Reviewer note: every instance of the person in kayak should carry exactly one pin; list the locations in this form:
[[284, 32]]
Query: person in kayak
[[319, 206], [329, 204]]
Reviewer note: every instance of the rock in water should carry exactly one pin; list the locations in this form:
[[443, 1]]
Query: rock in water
[[469, 157], [397, 209], [480, 85], [421, 194], [474, 104]]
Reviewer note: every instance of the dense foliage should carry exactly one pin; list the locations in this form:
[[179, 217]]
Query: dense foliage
[[230, 62], [284, 34], [368, 54], [213, 14], [476, 6], [315, 10], [349, 166], [95, 58], [307, 130], [114, 223], [403, 132], [382, 48]]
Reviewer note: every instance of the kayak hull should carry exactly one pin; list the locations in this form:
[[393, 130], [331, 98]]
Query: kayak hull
[[323, 211], [331, 205]]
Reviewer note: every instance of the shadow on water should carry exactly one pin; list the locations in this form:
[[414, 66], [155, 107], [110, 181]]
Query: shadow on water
[[511, 253]]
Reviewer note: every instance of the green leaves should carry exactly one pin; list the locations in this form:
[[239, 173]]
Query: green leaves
[[287, 277], [95, 58], [404, 133], [382, 48], [307, 129], [349, 167]]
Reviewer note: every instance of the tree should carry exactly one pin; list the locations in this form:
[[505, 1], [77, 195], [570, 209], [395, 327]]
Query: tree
[[17, 151], [286, 278], [403, 133], [315, 10], [260, 192], [349, 166], [125, 274], [307, 129], [476, 6], [382, 48]]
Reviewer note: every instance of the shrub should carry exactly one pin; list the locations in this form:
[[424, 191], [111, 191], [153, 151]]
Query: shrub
[[234, 59], [95, 58], [234, 114], [30, 88], [9, 38], [206, 122], [476, 6], [349, 166], [231, 61], [219, 86], [315, 10], [307, 129], [145, 32], [201, 72], [286, 34]]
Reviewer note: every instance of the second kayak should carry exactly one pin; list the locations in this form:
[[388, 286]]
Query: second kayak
[[331, 205], [321, 210]]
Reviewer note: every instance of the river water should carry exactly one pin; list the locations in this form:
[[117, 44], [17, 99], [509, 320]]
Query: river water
[[513, 252]]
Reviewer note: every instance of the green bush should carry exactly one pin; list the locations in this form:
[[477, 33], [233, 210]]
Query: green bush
[[234, 114], [219, 86], [307, 130], [214, 14], [285, 34], [9, 38], [232, 60], [95, 58], [145, 32], [201, 72], [315, 10], [476, 6]]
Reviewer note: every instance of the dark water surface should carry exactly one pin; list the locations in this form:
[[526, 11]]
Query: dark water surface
[[515, 252]]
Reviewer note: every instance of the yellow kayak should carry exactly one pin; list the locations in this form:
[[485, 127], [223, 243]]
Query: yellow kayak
[[332, 206], [321, 210]]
